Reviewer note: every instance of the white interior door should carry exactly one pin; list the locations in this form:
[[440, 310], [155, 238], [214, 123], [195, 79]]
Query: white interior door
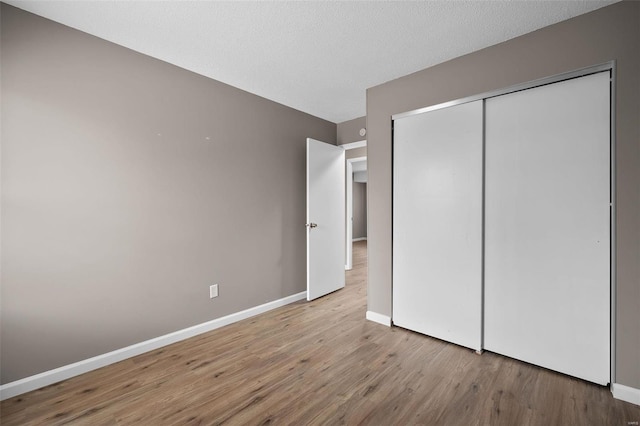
[[547, 241], [437, 223], [325, 218]]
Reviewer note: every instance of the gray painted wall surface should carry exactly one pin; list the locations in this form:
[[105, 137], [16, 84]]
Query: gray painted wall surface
[[128, 187], [359, 210], [355, 153], [609, 33], [348, 131]]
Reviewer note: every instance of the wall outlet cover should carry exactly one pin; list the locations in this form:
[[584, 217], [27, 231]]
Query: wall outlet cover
[[213, 291]]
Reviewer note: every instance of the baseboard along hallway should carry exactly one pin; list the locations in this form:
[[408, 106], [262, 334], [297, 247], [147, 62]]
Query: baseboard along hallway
[[319, 362]]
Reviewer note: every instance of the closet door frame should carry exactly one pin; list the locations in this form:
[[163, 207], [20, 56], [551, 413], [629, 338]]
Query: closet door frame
[[607, 66]]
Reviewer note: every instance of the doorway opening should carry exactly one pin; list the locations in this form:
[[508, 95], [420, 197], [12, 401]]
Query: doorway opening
[[356, 202], [356, 205], [356, 217]]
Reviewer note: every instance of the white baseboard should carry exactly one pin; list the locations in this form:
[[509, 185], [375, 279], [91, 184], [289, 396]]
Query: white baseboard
[[379, 318], [625, 393], [359, 239], [50, 377]]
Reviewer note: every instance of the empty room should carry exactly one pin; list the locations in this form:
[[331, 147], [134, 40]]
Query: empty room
[[320, 212]]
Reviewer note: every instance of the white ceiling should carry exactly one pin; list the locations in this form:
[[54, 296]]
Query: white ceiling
[[318, 57]]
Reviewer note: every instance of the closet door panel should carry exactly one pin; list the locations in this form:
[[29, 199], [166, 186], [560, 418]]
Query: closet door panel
[[437, 219], [547, 218]]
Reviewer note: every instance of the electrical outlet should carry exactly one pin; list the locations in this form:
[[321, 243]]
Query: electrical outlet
[[213, 291]]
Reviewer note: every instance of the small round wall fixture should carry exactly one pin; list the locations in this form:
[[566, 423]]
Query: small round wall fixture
[[363, 131]]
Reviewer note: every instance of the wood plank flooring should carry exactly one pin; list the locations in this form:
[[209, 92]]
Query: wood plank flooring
[[319, 363]]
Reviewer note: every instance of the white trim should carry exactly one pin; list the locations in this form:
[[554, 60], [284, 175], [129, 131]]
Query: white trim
[[354, 145], [359, 239], [349, 217], [613, 221], [379, 318], [625, 393], [46, 378], [356, 159]]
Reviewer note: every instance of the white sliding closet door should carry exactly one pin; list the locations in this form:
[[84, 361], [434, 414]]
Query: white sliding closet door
[[547, 254], [437, 219]]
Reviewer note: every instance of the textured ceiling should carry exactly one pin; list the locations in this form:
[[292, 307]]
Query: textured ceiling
[[318, 57]]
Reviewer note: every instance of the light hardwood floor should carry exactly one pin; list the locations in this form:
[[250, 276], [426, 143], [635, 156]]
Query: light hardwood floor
[[319, 363]]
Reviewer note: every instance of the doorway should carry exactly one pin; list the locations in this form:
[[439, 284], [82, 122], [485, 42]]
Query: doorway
[[356, 197], [356, 219]]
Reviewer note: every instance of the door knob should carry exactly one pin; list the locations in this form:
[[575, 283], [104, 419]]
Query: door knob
[[311, 225]]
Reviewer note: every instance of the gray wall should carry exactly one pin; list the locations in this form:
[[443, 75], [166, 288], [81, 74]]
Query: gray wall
[[349, 131], [609, 33], [128, 187], [355, 153], [359, 210]]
